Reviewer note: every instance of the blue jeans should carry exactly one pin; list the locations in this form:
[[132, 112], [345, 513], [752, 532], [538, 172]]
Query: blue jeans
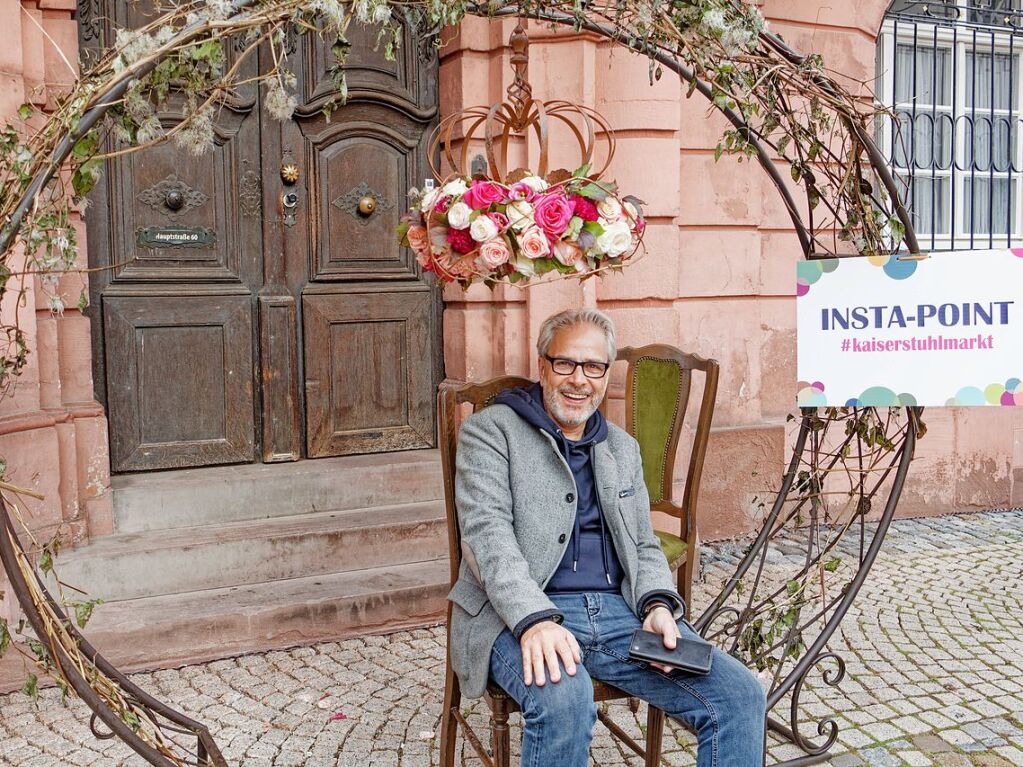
[[724, 707]]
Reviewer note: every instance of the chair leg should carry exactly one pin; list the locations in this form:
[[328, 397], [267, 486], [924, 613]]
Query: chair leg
[[448, 723], [654, 735], [499, 734]]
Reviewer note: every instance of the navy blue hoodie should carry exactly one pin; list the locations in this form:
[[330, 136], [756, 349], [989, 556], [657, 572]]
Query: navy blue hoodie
[[590, 562]]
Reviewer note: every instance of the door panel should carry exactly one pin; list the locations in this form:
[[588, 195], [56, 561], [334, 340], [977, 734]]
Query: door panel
[[351, 163], [180, 390], [369, 316], [369, 386]]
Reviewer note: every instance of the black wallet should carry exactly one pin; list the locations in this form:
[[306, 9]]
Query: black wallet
[[692, 655]]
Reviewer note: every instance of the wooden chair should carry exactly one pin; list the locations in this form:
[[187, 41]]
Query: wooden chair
[[657, 388], [662, 373]]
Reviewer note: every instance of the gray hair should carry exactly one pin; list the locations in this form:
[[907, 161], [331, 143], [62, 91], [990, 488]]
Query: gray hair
[[571, 317]]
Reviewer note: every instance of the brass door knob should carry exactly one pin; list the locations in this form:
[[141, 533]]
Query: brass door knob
[[289, 173], [367, 205]]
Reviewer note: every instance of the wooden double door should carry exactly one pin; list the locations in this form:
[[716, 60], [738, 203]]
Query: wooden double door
[[245, 316]]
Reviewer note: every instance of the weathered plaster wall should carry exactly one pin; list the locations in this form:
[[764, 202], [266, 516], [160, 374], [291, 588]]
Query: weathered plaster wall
[[53, 434]]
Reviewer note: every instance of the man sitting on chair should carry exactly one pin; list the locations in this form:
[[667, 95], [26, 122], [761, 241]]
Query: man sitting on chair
[[561, 565]]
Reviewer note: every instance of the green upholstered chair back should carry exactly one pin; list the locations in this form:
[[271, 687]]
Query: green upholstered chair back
[[657, 393]]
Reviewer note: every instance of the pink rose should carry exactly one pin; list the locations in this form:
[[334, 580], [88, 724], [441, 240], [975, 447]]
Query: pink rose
[[639, 226], [521, 191], [552, 213], [493, 253], [568, 253], [533, 243], [442, 205], [419, 241], [483, 194], [500, 219]]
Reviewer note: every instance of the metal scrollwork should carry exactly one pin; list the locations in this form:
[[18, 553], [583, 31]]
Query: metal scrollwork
[[172, 197], [349, 202], [827, 727], [251, 194], [96, 731]]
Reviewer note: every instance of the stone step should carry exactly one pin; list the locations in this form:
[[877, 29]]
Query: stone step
[[131, 566], [167, 631], [212, 495]]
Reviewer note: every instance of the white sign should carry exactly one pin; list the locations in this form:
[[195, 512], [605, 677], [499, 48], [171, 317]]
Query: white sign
[[885, 331]]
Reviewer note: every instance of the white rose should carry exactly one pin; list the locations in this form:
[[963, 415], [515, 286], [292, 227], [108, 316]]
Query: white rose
[[520, 215], [458, 215], [455, 188], [610, 209], [615, 240], [429, 198], [483, 229], [535, 183]]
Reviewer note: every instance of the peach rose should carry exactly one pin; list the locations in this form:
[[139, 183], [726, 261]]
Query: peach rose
[[568, 253], [493, 253], [419, 241], [533, 243]]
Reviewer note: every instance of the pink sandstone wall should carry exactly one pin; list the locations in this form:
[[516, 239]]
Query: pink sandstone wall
[[53, 433], [718, 278]]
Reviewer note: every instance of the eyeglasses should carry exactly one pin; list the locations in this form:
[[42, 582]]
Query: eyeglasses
[[566, 367]]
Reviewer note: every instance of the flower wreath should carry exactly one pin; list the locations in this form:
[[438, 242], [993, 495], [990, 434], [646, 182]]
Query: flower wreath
[[479, 230]]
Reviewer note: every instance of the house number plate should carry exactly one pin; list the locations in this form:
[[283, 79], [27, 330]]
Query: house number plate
[[176, 237]]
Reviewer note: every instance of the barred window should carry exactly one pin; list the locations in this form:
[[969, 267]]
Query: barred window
[[949, 72]]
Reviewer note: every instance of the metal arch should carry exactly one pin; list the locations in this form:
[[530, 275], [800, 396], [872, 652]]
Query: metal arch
[[206, 752]]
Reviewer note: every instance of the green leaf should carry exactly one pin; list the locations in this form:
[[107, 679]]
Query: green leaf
[[582, 170], [31, 687], [83, 300], [832, 564], [593, 227], [792, 587], [25, 111], [86, 146], [597, 190], [402, 230], [5, 637], [131, 720], [83, 611]]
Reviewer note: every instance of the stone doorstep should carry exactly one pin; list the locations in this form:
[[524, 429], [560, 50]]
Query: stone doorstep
[[181, 629], [221, 494], [161, 562]]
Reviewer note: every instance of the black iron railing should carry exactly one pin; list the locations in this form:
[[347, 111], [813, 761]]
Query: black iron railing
[[949, 75]]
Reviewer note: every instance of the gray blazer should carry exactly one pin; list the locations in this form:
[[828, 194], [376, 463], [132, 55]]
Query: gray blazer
[[511, 490]]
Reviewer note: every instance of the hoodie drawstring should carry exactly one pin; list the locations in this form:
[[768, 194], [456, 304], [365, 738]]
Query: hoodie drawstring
[[603, 530]]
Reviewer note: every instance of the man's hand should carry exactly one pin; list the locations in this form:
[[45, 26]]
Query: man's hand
[[544, 643], [660, 621]]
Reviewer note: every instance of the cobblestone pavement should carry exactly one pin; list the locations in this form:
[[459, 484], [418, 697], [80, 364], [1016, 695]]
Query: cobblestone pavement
[[935, 677]]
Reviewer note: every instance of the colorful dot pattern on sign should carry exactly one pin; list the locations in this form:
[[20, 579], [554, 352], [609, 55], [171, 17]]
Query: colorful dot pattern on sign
[[812, 395], [808, 272], [1008, 394]]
